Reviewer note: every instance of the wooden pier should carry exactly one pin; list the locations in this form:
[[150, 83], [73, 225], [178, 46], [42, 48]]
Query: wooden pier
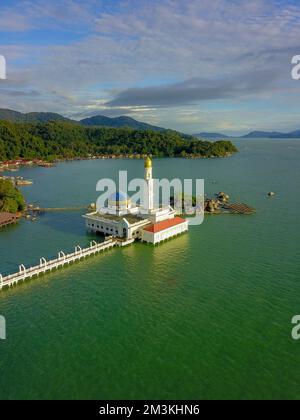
[[61, 261], [55, 209], [7, 219]]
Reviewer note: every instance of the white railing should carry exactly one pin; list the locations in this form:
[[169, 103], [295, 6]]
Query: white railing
[[62, 260]]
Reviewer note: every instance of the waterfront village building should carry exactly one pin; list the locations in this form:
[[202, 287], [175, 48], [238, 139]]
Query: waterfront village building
[[121, 219]]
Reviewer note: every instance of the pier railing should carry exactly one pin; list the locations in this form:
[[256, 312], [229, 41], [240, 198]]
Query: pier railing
[[62, 260]]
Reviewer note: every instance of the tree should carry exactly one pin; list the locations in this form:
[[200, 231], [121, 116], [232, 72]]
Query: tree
[[11, 199], [53, 140]]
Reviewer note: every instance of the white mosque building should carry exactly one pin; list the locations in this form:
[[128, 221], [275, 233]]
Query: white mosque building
[[122, 219]]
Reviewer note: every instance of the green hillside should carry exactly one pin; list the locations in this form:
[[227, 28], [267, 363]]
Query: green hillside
[[67, 140]]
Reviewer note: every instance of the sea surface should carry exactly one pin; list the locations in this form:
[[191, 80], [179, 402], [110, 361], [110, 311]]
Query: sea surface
[[204, 316]]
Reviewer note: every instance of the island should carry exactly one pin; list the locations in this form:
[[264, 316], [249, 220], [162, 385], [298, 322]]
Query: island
[[57, 140]]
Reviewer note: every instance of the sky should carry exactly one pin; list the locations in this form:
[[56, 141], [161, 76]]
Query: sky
[[194, 66]]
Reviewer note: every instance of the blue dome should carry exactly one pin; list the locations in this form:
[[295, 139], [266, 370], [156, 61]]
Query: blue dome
[[118, 197]]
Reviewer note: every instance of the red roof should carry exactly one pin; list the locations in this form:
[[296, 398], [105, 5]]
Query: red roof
[[165, 224]]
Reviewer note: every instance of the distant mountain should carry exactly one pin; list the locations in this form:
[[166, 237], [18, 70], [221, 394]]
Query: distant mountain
[[252, 135], [211, 136], [262, 134], [32, 117], [44, 117], [98, 120], [9, 115], [291, 135], [117, 122], [124, 121]]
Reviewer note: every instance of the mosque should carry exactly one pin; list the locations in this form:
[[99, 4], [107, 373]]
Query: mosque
[[122, 219]]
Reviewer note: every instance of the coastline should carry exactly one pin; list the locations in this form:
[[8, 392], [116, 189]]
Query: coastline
[[15, 164]]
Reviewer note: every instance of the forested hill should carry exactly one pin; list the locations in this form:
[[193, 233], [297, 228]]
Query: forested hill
[[53, 140], [118, 122], [31, 117], [98, 120]]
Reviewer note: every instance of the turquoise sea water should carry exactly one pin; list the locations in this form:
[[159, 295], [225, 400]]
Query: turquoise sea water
[[207, 315]]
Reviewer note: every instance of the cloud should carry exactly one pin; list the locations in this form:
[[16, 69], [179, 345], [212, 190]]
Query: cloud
[[197, 89], [138, 57], [13, 21], [19, 93], [37, 14]]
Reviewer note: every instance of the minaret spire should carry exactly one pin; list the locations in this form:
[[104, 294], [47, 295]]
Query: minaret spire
[[149, 199]]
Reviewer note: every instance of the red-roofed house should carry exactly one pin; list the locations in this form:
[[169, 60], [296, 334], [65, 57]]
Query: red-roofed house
[[166, 229]]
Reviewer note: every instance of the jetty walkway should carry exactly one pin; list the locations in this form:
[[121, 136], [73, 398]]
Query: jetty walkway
[[61, 261]]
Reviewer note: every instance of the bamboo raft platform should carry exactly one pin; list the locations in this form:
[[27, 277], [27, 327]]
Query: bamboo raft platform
[[61, 261], [238, 208]]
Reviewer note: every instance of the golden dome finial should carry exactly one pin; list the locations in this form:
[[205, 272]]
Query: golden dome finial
[[148, 162]]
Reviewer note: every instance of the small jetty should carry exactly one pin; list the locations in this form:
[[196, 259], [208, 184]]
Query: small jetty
[[23, 182], [18, 181], [34, 208], [62, 260], [57, 209], [33, 211]]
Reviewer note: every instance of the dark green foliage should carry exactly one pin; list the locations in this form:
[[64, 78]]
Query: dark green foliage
[[98, 120], [11, 199], [31, 117], [118, 122], [67, 140]]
